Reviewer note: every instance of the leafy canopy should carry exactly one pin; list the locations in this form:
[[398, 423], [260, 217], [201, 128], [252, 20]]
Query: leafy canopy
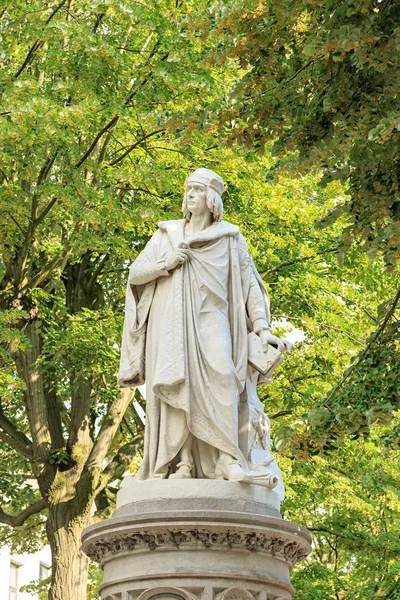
[[320, 79], [106, 107]]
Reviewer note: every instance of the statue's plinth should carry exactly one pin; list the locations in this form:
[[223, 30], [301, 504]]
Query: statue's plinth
[[196, 540]]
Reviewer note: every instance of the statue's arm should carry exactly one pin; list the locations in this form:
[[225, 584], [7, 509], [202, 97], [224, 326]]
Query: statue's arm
[[256, 306], [255, 301], [148, 265]]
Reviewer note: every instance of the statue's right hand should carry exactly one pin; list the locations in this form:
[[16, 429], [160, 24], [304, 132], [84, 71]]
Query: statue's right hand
[[176, 258]]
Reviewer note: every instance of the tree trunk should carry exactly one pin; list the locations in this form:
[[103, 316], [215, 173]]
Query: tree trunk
[[71, 496], [69, 564]]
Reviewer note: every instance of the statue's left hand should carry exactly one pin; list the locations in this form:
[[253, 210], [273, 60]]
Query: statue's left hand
[[267, 338]]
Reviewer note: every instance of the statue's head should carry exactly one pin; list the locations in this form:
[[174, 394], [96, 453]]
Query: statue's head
[[204, 189]]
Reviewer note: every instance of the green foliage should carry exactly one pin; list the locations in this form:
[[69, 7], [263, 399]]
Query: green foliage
[[321, 79], [94, 581], [350, 502], [17, 490], [367, 396], [38, 588], [105, 110], [59, 456]]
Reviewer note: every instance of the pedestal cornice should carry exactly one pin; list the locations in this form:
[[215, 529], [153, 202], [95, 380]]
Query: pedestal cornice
[[167, 537]]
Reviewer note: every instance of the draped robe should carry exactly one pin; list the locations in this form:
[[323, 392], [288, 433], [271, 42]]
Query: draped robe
[[185, 334]]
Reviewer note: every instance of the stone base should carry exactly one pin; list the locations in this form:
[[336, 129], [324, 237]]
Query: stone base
[[196, 540]]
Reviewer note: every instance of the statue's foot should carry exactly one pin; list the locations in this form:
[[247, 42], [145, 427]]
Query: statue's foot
[[183, 471], [229, 468]]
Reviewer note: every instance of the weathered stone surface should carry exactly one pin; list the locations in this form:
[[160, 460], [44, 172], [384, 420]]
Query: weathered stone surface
[[177, 492], [197, 332], [208, 541], [201, 519]]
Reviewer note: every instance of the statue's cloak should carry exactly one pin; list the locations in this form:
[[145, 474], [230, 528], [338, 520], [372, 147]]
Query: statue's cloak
[[185, 334]]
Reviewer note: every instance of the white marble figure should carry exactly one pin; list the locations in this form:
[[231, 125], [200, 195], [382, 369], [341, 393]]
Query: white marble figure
[[193, 296]]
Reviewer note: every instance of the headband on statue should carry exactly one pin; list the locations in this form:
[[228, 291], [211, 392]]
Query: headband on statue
[[208, 178]]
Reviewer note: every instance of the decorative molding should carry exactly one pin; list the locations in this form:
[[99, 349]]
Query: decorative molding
[[271, 544], [166, 593], [235, 594]]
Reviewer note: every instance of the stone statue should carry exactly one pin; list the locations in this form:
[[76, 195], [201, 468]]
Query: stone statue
[[193, 297], [197, 332]]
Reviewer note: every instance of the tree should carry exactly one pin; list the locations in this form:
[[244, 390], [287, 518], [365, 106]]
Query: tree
[[86, 95], [317, 85], [101, 107], [348, 500], [320, 79]]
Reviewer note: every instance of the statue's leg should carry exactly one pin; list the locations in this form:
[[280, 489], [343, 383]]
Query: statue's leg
[[228, 467], [186, 452], [185, 464]]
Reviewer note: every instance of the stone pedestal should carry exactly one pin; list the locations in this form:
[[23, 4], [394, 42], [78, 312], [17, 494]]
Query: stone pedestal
[[196, 540]]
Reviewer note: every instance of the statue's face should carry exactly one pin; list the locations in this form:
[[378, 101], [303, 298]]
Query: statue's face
[[196, 194]]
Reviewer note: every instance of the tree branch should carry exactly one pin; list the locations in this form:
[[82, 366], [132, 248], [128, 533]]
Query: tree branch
[[25, 248], [18, 520], [362, 356], [58, 261], [45, 170], [115, 119], [55, 11], [15, 438], [337, 533], [47, 269], [135, 145], [135, 89], [139, 189], [281, 413], [324, 325], [38, 43], [99, 18], [106, 142], [288, 263], [92, 146], [120, 463], [98, 270], [6, 212], [168, 149], [31, 373], [109, 427], [54, 417], [346, 333], [303, 68], [45, 211], [29, 57]]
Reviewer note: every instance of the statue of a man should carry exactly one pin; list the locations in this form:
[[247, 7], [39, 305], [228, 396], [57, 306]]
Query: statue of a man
[[193, 296]]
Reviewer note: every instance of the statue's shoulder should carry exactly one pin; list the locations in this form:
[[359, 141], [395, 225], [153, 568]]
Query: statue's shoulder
[[234, 230], [172, 225], [229, 228], [219, 229]]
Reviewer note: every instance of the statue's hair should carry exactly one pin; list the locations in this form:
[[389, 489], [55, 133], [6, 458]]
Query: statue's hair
[[214, 203]]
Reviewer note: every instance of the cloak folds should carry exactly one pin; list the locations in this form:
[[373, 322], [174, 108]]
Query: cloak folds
[[185, 334]]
